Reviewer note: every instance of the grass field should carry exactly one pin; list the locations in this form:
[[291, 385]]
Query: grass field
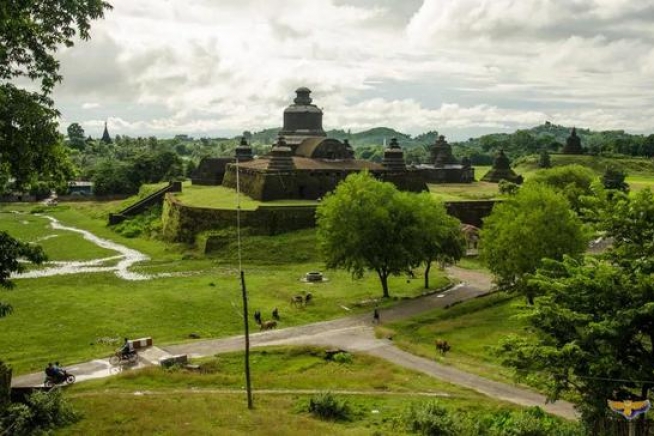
[[212, 401], [220, 197], [473, 329], [62, 317]]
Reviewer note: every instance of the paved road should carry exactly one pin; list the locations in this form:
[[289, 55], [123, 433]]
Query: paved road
[[355, 334]]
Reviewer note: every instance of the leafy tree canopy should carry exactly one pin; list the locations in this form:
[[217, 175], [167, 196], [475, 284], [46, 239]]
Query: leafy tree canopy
[[362, 225], [76, 136], [32, 31], [534, 224], [438, 235], [573, 181], [629, 221], [366, 224], [30, 34], [594, 329], [10, 254]]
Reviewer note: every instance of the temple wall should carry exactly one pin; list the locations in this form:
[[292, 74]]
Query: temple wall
[[448, 175], [308, 185], [183, 223]]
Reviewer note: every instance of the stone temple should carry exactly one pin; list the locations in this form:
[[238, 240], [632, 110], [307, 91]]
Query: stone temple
[[573, 144], [305, 164], [444, 167]]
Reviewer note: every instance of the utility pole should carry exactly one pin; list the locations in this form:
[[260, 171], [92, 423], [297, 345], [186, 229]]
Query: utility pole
[[244, 293]]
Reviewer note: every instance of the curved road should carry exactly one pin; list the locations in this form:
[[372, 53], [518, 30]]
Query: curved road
[[355, 334]]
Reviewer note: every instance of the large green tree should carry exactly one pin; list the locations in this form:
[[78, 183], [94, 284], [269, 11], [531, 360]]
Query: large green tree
[[76, 136], [575, 182], [535, 224], [629, 221], [594, 330], [30, 34], [438, 236], [364, 225]]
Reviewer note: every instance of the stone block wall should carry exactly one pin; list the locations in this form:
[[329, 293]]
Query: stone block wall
[[182, 223]]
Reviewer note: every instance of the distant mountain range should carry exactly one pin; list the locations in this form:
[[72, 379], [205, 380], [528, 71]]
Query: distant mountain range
[[548, 136]]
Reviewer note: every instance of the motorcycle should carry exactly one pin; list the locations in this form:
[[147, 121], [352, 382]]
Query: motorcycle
[[64, 378], [120, 358]]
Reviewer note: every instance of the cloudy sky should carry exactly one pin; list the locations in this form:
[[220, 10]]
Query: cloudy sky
[[462, 67]]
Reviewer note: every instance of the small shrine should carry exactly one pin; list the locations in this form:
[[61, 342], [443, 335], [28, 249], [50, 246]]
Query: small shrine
[[573, 144], [502, 171], [444, 167]]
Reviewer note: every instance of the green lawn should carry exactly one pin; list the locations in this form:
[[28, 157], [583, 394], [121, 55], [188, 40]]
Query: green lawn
[[464, 191], [220, 197], [62, 317], [199, 403], [473, 329]]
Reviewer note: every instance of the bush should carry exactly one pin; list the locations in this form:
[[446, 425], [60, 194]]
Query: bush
[[343, 358], [40, 190], [327, 406], [530, 422], [508, 188], [43, 411], [429, 419], [146, 224]]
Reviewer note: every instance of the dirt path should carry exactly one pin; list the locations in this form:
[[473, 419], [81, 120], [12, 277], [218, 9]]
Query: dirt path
[[356, 334]]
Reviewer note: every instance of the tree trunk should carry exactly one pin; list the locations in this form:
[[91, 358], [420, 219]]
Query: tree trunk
[[5, 385], [427, 269], [530, 299], [383, 277]]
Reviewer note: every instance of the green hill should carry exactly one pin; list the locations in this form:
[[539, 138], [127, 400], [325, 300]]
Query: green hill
[[631, 165]]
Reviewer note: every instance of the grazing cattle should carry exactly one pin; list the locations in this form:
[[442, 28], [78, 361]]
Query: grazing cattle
[[257, 317], [443, 346], [268, 325], [275, 314], [297, 300], [308, 298]]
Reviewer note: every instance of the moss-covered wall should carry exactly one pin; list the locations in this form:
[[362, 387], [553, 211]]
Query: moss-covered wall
[[182, 223], [308, 184]]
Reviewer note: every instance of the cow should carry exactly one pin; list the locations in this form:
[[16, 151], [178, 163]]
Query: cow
[[268, 325], [443, 346], [308, 298], [297, 300]]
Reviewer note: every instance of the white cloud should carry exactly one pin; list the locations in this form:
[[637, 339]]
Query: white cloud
[[202, 66]]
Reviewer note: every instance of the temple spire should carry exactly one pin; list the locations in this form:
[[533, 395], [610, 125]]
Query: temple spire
[[105, 135]]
